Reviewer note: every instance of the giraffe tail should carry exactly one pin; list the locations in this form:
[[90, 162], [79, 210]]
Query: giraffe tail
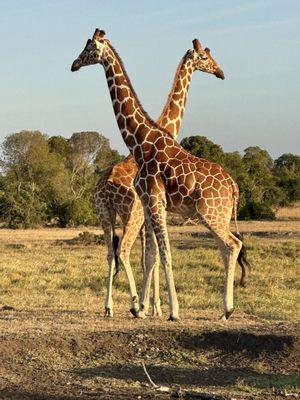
[[242, 257], [115, 243], [243, 260]]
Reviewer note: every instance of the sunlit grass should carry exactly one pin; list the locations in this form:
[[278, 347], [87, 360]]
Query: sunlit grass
[[44, 274]]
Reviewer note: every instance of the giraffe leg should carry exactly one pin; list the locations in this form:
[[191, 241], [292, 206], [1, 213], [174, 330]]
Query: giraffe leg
[[107, 218], [130, 232], [156, 310], [157, 213], [107, 229], [143, 247], [150, 262], [229, 246]]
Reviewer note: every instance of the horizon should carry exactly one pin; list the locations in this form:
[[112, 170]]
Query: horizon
[[252, 42]]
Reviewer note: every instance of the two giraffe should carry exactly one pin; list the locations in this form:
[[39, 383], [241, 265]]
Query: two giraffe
[[167, 177], [115, 192]]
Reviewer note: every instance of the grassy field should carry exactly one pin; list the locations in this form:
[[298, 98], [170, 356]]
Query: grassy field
[[52, 298]]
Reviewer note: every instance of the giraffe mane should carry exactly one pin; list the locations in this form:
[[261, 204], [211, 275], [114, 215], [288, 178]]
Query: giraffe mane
[[152, 122], [172, 88]]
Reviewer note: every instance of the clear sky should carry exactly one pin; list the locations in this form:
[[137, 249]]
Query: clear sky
[[257, 44]]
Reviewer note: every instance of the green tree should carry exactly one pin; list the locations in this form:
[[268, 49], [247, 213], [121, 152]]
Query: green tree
[[260, 193], [83, 155], [287, 172], [202, 147], [34, 177]]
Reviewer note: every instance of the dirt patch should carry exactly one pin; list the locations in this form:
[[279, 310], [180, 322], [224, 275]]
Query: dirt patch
[[69, 355], [85, 238]]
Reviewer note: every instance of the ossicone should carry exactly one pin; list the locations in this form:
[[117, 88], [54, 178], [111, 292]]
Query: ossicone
[[197, 45], [99, 34]]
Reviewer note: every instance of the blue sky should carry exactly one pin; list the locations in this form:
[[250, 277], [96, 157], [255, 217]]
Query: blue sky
[[257, 44]]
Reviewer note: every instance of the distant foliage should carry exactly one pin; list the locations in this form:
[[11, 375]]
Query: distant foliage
[[265, 184], [51, 180]]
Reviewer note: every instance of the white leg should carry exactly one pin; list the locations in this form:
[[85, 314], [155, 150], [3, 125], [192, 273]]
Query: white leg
[[229, 247], [109, 305], [157, 214], [143, 247], [150, 261], [156, 311], [131, 230]]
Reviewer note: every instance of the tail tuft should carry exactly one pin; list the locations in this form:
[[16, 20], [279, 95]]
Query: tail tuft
[[243, 260], [115, 242]]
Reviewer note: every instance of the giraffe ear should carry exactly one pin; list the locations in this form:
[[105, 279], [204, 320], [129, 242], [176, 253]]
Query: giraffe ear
[[99, 34], [197, 45]]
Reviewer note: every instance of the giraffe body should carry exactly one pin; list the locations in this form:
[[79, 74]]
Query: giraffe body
[[167, 176]]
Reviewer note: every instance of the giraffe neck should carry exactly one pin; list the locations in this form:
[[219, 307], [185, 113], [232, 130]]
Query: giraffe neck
[[136, 127], [172, 114]]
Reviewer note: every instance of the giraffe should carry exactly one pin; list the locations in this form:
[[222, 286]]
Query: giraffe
[[115, 192], [168, 177]]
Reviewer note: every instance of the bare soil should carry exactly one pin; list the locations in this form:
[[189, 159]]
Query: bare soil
[[51, 354]]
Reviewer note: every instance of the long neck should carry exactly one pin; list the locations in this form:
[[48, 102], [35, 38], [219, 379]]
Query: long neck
[[172, 114], [134, 123]]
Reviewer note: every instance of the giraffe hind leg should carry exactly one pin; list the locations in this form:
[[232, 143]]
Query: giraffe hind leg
[[229, 246]]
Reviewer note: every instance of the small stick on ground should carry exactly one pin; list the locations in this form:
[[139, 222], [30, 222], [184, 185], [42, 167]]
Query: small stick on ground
[[180, 393]]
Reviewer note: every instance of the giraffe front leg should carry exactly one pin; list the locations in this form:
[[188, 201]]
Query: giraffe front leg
[[156, 309], [130, 232], [107, 225], [159, 225], [150, 260]]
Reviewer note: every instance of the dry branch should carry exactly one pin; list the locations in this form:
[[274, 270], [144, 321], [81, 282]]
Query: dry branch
[[180, 393]]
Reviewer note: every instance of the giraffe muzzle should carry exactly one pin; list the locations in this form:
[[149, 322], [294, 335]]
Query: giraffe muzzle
[[219, 73], [76, 65]]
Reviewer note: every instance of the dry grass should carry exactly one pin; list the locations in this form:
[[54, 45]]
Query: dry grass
[[289, 213], [36, 272]]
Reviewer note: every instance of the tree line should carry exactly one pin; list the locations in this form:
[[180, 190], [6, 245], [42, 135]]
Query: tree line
[[50, 180]]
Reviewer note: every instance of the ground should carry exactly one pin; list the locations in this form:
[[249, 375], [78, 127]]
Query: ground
[[56, 344]]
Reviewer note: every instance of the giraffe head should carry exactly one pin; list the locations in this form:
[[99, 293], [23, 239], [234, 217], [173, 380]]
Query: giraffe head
[[203, 61], [93, 53]]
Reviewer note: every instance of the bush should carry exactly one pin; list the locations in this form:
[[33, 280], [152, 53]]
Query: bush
[[253, 210]]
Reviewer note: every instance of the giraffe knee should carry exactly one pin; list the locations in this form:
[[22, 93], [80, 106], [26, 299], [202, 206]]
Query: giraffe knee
[[110, 257], [123, 256]]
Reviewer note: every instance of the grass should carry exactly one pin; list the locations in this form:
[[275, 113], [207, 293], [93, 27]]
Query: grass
[[276, 383], [58, 290], [289, 213], [36, 272]]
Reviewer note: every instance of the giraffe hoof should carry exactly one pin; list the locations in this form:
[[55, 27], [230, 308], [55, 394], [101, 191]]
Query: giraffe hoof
[[227, 314], [173, 318], [141, 314], [108, 313], [156, 313], [134, 312]]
